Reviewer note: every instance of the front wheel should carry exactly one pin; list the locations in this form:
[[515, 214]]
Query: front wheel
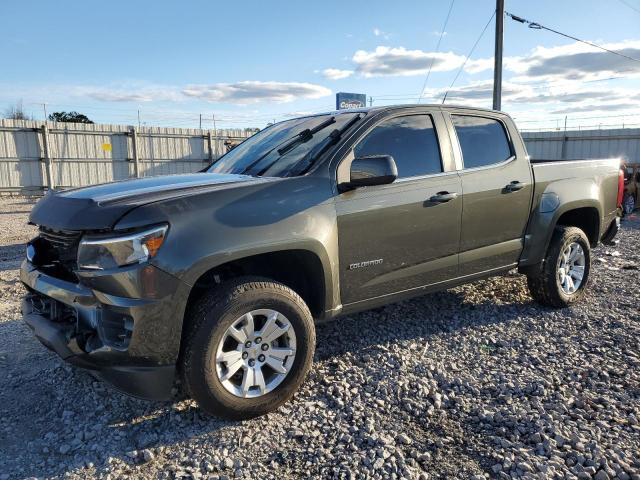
[[248, 349], [564, 274]]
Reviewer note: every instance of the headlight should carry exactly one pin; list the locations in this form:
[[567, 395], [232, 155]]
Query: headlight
[[104, 253]]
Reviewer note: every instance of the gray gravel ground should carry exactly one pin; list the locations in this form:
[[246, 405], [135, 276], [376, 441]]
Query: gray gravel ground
[[505, 388]]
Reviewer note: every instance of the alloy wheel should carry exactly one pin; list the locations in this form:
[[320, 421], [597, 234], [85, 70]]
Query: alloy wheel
[[571, 268], [256, 353]]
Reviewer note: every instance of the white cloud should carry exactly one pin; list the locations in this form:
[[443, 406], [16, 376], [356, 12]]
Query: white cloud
[[135, 95], [478, 93], [255, 91], [572, 97], [575, 61], [117, 96], [298, 113], [478, 65], [379, 33], [336, 73], [239, 93], [387, 61]]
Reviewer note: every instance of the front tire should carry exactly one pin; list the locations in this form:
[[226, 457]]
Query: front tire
[[564, 274], [248, 349]]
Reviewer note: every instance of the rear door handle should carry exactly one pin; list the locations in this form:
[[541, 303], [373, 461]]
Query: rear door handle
[[443, 197], [514, 186]]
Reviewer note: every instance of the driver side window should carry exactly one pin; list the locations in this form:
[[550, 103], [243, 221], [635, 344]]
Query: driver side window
[[412, 142]]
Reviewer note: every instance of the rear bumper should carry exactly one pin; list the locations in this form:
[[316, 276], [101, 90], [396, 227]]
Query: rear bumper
[[127, 341]]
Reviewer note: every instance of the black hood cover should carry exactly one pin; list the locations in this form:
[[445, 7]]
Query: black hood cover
[[101, 206]]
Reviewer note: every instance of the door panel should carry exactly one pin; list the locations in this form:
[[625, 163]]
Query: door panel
[[407, 240], [497, 196]]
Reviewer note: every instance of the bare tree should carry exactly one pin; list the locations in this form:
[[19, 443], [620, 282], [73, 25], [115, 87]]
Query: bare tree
[[16, 112]]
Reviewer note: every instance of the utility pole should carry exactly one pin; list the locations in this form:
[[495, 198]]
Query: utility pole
[[370, 101], [497, 66], [44, 107], [200, 121], [138, 118]]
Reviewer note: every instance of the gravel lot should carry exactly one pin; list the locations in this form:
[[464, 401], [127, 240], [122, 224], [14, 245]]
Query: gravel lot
[[505, 388]]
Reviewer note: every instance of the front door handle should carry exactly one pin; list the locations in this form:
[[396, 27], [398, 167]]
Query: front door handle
[[443, 197], [514, 186]]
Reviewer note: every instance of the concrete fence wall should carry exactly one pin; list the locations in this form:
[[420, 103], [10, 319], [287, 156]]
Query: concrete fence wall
[[36, 155], [578, 144]]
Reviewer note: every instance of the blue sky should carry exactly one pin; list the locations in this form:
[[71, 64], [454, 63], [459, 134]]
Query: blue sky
[[260, 61]]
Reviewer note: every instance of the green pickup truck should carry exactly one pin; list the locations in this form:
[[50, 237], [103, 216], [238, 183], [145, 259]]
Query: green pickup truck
[[217, 278]]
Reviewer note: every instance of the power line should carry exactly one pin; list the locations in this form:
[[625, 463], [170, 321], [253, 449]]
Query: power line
[[624, 2], [493, 14], [632, 115], [538, 86], [444, 26], [164, 113], [162, 116], [538, 26]]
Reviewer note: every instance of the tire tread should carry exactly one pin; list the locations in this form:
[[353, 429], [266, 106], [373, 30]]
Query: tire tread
[[192, 359], [543, 285]]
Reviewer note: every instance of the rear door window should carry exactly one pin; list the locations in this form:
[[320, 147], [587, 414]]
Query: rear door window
[[483, 141]]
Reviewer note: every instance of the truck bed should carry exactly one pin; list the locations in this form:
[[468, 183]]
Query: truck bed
[[588, 186], [552, 170]]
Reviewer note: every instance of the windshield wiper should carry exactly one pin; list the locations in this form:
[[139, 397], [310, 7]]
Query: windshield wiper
[[308, 160], [302, 137], [305, 135]]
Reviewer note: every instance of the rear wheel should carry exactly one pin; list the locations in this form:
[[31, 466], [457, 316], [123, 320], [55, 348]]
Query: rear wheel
[[564, 274], [249, 348]]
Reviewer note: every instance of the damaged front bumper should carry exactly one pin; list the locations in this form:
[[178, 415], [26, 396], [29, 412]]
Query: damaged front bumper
[[123, 326]]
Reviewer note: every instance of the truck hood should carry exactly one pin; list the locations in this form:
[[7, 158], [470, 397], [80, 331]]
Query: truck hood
[[100, 206]]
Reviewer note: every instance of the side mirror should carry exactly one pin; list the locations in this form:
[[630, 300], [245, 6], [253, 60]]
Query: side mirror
[[371, 170]]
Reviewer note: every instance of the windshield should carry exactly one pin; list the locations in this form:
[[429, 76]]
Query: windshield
[[277, 150]]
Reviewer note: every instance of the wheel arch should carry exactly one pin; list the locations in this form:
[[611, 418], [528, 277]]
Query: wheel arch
[[583, 214], [587, 219], [300, 269]]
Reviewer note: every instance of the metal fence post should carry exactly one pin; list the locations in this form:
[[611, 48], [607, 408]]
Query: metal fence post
[[48, 162], [134, 147], [215, 134], [210, 142], [563, 148]]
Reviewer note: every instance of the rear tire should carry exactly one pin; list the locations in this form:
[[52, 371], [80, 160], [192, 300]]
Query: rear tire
[[551, 284], [210, 381]]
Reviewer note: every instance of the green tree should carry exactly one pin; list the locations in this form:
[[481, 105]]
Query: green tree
[[70, 117]]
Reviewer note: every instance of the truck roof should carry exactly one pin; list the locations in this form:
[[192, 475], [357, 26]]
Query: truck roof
[[408, 105]]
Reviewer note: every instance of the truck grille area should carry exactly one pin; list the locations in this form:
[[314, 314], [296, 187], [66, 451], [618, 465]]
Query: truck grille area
[[56, 252]]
